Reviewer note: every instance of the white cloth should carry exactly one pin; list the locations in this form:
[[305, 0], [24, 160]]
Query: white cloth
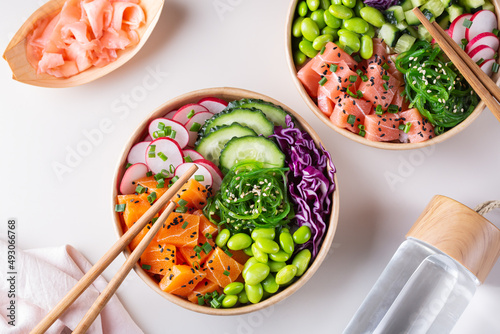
[[44, 276]]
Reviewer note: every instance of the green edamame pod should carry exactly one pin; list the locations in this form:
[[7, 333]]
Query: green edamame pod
[[349, 3], [310, 29], [320, 41], [296, 28], [303, 233], [352, 42], [306, 48], [359, 4], [261, 256], [229, 301], [269, 284], [286, 274], [248, 250], [357, 25], [302, 8], [324, 4], [313, 5], [330, 31], [256, 273], [336, 2], [275, 266], [301, 261], [266, 245], [318, 16], [341, 12], [280, 256], [239, 241], [331, 20], [242, 297], [372, 16], [347, 32], [234, 288], [286, 239], [371, 31], [222, 237], [366, 49], [267, 233], [254, 292], [250, 262]]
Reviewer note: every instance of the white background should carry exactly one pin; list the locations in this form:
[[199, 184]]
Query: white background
[[199, 47]]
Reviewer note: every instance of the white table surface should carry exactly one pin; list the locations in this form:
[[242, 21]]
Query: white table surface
[[241, 44]]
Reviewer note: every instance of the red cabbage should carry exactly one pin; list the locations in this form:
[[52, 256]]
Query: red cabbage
[[381, 4], [311, 184]]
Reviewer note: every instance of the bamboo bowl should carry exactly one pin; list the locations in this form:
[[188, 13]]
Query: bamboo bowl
[[15, 53], [382, 145], [227, 94]]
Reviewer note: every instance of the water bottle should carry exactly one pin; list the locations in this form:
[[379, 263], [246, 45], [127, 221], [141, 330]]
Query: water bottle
[[433, 275]]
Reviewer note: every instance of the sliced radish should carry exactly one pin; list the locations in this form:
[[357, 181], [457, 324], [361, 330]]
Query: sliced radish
[[192, 154], [132, 174], [181, 134], [164, 148], [482, 21], [485, 38], [182, 115], [138, 153], [148, 138], [487, 66], [170, 115], [213, 104], [457, 28], [482, 51], [202, 174], [200, 119], [216, 173]]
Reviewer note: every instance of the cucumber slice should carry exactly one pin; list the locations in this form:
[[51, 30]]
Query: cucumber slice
[[488, 6], [436, 7], [256, 149], [447, 3], [412, 31], [404, 43], [444, 21], [274, 113], [469, 4], [389, 33], [211, 145], [250, 117], [417, 3], [402, 26], [454, 11], [411, 18], [394, 14], [423, 34], [407, 5]]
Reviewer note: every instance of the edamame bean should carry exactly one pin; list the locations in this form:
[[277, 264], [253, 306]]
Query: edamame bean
[[357, 25], [286, 239], [366, 49], [254, 292], [267, 233], [347, 32], [242, 297], [313, 4], [303, 233], [331, 20], [280, 256], [324, 4], [372, 16], [250, 262], [266, 245], [248, 250], [301, 261], [239, 241], [309, 28], [229, 301], [336, 2], [330, 31], [222, 237], [269, 284], [296, 28], [286, 274], [320, 41], [275, 266], [349, 3], [371, 31], [318, 16], [341, 12], [234, 288], [306, 48], [256, 273], [302, 8], [359, 4], [259, 255]]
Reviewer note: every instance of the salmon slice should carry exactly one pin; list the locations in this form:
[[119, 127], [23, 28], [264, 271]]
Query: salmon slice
[[309, 78], [394, 71], [347, 106], [138, 238], [158, 257], [203, 288], [338, 82], [399, 100], [222, 269], [324, 103], [135, 207], [180, 229], [332, 55], [193, 257], [382, 127], [151, 185], [421, 129], [206, 226], [180, 280], [379, 53], [380, 87]]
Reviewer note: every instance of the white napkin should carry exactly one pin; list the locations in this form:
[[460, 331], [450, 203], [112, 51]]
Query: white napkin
[[44, 276]]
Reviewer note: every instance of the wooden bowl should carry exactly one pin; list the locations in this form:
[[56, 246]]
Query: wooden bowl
[[226, 94], [15, 53], [383, 145]]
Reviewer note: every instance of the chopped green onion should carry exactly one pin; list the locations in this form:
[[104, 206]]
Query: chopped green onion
[[197, 249], [184, 225], [161, 183], [174, 179], [128, 165], [208, 235], [407, 127], [151, 154], [322, 50], [188, 159], [195, 127], [464, 41], [228, 253], [152, 197], [153, 221], [357, 58], [333, 67], [181, 209], [393, 108], [385, 66], [140, 189], [172, 169], [172, 134], [227, 273], [385, 86], [462, 46], [146, 267], [201, 300], [221, 298], [360, 73], [385, 77], [401, 127], [467, 23], [182, 202], [362, 133], [152, 148], [495, 67], [364, 78], [323, 81], [191, 113], [159, 176], [199, 178], [480, 61], [361, 126], [161, 126], [351, 119], [496, 31], [160, 134], [165, 173], [215, 304], [207, 247], [162, 156], [150, 173], [353, 78], [120, 207], [348, 50], [359, 93], [378, 110]]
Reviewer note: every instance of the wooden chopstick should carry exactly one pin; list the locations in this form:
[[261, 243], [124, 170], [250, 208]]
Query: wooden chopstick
[[110, 255], [479, 81]]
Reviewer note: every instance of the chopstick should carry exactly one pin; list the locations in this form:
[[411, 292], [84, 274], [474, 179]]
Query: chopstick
[[479, 81], [109, 256]]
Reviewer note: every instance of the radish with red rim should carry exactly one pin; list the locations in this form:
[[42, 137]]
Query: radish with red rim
[[181, 135], [485, 38], [193, 128], [214, 170], [482, 52], [170, 115], [482, 21], [457, 28], [185, 113], [138, 153], [164, 153], [213, 104], [194, 155], [202, 175], [487, 66], [131, 175]]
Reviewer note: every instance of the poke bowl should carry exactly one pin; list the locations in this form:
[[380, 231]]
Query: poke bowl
[[371, 72], [256, 220]]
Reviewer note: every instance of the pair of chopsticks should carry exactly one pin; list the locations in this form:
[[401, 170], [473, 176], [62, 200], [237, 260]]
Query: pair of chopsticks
[[110, 255], [479, 81]]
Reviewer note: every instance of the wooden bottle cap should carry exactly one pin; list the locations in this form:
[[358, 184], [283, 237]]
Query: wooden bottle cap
[[459, 232]]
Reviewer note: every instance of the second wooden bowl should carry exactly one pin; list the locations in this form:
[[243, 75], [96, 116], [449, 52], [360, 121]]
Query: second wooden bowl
[[227, 94]]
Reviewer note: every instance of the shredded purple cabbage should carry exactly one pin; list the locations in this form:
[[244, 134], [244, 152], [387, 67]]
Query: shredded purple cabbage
[[311, 184], [381, 4]]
